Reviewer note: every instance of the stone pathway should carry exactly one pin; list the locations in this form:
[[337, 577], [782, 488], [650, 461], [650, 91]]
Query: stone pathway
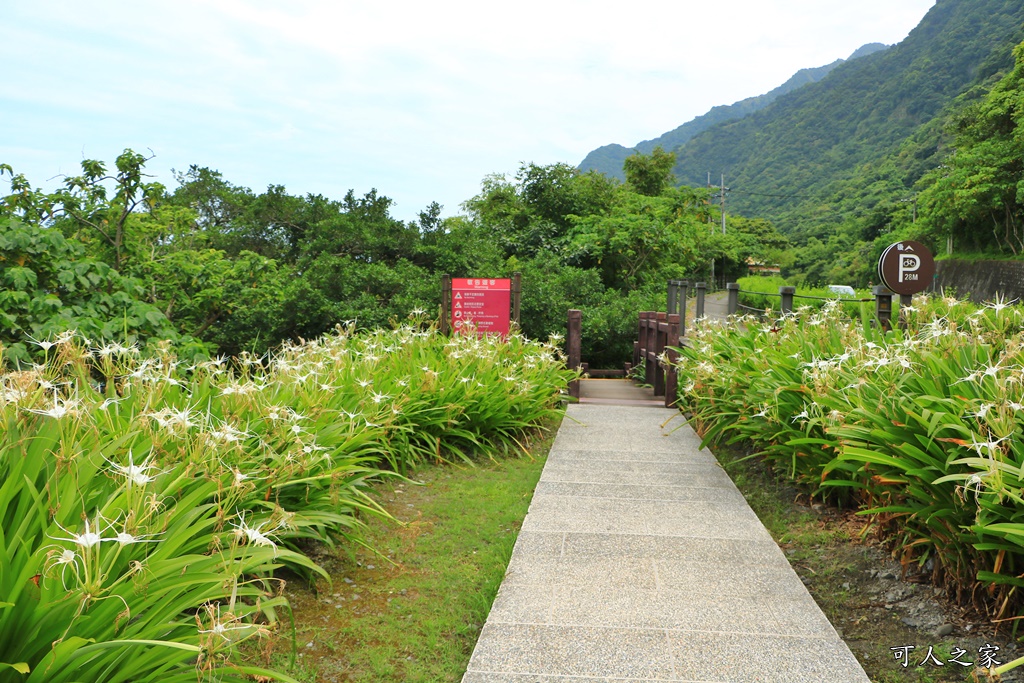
[[640, 561]]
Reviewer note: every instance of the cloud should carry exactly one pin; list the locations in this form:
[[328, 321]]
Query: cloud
[[419, 100]]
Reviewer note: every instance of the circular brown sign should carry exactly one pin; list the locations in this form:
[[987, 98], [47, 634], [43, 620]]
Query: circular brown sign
[[906, 267]]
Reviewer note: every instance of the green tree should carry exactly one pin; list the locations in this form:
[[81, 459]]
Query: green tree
[[48, 285], [650, 174]]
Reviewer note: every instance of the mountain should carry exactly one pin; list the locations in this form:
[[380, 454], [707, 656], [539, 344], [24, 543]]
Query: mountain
[[608, 159], [864, 134]]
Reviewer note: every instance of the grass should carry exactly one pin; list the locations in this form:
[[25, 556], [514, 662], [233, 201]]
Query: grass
[[413, 610]]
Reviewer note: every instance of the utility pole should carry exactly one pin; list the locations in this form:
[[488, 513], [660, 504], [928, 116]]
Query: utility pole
[[723, 203], [709, 207]]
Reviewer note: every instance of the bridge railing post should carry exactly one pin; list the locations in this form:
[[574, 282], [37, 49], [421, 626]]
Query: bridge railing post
[[702, 289], [671, 357], [573, 347], [682, 309], [654, 357], [649, 343]]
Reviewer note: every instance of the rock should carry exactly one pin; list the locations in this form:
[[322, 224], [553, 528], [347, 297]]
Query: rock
[[944, 630]]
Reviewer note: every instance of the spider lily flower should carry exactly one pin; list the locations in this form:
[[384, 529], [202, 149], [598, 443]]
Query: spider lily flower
[[991, 446], [999, 304], [87, 539], [109, 402], [226, 433], [254, 535], [137, 475], [59, 409], [982, 411]]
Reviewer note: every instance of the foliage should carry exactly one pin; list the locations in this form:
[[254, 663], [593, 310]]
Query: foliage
[[239, 271], [144, 515], [980, 185], [48, 285], [649, 174], [837, 164], [920, 428]]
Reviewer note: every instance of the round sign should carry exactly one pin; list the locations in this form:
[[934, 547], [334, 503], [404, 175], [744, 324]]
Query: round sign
[[906, 267]]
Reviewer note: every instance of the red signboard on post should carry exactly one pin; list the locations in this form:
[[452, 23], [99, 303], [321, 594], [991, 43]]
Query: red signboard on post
[[481, 304]]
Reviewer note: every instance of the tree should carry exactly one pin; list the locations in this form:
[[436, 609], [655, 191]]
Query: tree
[[82, 209], [650, 174]]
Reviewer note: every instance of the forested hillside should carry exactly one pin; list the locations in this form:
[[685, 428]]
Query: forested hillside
[[817, 156], [609, 158], [844, 164]]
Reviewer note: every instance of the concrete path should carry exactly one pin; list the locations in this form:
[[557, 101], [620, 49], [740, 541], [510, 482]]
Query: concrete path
[[640, 561]]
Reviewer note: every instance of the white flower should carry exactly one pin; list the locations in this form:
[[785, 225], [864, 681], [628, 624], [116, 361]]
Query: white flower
[[254, 535], [87, 539], [59, 409], [982, 411], [110, 402], [125, 538], [136, 474], [998, 305], [989, 445], [991, 370]]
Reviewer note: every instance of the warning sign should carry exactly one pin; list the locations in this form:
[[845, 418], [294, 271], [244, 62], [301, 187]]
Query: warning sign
[[481, 304]]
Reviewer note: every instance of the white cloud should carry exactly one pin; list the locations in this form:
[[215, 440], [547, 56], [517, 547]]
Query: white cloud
[[420, 100]]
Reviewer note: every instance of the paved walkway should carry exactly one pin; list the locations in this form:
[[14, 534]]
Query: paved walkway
[[640, 561]]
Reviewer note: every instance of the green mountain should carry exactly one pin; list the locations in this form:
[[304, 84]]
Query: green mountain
[[851, 146], [608, 159]]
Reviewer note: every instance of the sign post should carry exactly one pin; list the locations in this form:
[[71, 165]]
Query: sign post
[[481, 304]]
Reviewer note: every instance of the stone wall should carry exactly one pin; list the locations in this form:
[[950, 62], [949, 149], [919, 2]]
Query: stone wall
[[982, 280]]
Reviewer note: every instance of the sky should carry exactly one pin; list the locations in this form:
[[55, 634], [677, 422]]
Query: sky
[[418, 100]]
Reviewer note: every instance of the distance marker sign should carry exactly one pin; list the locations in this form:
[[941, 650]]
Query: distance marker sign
[[906, 267], [482, 303]]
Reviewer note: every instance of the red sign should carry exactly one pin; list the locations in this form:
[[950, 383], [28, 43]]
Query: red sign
[[481, 304]]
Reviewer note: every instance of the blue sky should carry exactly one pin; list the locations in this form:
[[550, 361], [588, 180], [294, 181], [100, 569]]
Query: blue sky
[[419, 100]]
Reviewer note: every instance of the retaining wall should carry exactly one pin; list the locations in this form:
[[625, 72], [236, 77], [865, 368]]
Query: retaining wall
[[981, 280]]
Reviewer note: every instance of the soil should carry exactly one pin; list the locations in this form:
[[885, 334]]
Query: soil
[[875, 606]]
